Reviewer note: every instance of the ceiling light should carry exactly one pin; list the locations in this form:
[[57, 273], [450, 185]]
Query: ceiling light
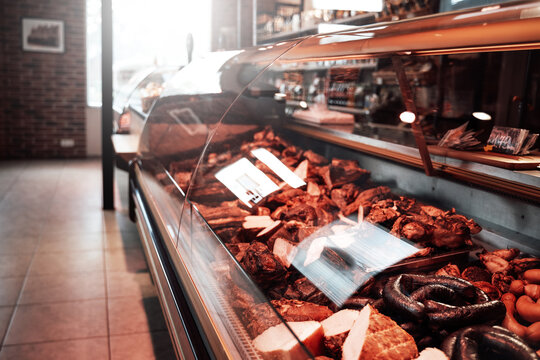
[[407, 117], [481, 115]]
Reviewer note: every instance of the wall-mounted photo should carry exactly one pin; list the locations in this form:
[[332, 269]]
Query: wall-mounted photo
[[43, 35]]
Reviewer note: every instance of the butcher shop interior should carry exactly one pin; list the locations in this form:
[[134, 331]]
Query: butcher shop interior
[[270, 179]]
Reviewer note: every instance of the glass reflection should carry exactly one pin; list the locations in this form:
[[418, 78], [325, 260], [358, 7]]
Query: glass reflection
[[350, 256]]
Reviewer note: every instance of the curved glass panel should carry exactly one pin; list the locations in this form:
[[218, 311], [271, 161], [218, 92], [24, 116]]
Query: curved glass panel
[[301, 173], [176, 132], [150, 88], [122, 95], [142, 98], [310, 219]]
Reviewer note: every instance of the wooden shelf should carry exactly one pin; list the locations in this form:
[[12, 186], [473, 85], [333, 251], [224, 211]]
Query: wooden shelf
[[502, 179], [510, 162]]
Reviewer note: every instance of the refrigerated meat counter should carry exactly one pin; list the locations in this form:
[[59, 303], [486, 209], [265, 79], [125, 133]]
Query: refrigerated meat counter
[[290, 206]]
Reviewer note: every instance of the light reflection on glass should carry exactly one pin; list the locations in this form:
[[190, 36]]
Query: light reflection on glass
[[340, 263], [278, 167], [366, 5]]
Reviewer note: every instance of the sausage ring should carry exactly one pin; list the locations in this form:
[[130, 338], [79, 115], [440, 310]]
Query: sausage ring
[[486, 342], [426, 297], [528, 309]]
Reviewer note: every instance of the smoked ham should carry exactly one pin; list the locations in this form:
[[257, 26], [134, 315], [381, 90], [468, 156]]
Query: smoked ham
[[375, 336], [336, 328]]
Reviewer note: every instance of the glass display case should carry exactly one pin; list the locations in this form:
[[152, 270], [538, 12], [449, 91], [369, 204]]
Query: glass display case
[[133, 101], [301, 199]]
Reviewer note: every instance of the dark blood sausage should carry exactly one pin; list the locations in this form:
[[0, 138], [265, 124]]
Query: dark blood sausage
[[379, 305], [459, 316], [480, 296], [432, 306], [357, 302], [397, 300], [434, 292], [486, 342], [443, 301], [405, 293], [460, 286]]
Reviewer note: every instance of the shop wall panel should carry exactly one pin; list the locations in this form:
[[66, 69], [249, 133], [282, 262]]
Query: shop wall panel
[[43, 94]]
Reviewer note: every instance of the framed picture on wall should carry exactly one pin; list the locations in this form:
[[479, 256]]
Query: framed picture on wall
[[43, 35]]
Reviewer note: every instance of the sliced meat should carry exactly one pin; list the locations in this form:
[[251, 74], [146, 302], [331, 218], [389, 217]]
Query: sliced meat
[[262, 265], [336, 328], [449, 270], [367, 198], [315, 158], [277, 342], [383, 212], [238, 250], [284, 250], [411, 229], [344, 195], [303, 213], [297, 310], [341, 172], [376, 336]]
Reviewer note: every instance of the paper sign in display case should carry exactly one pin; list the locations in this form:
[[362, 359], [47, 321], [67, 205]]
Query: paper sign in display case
[[338, 195]]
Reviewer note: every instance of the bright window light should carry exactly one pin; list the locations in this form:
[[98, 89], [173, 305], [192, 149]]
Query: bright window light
[[145, 35], [363, 5]]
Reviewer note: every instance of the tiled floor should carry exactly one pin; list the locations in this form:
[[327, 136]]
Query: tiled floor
[[74, 283]]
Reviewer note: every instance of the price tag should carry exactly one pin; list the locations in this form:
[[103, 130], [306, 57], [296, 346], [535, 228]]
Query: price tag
[[507, 140]]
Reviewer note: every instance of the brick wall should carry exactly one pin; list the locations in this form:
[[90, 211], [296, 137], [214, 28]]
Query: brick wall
[[43, 95]]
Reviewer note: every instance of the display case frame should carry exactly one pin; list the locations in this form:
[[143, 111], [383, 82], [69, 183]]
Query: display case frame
[[491, 185]]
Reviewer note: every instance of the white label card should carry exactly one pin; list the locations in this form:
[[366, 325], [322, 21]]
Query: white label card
[[247, 182]]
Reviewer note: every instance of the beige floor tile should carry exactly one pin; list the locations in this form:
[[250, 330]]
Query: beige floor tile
[[38, 198], [22, 215], [73, 212], [40, 189], [63, 287], [65, 242], [118, 221], [122, 240], [133, 285], [9, 290], [83, 349], [16, 244], [58, 321], [67, 263], [88, 198], [129, 316], [148, 346], [125, 260], [20, 228], [73, 226], [5, 317], [14, 265]]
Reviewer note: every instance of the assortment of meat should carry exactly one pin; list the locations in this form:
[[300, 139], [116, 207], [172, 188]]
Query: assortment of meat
[[514, 279], [392, 316]]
